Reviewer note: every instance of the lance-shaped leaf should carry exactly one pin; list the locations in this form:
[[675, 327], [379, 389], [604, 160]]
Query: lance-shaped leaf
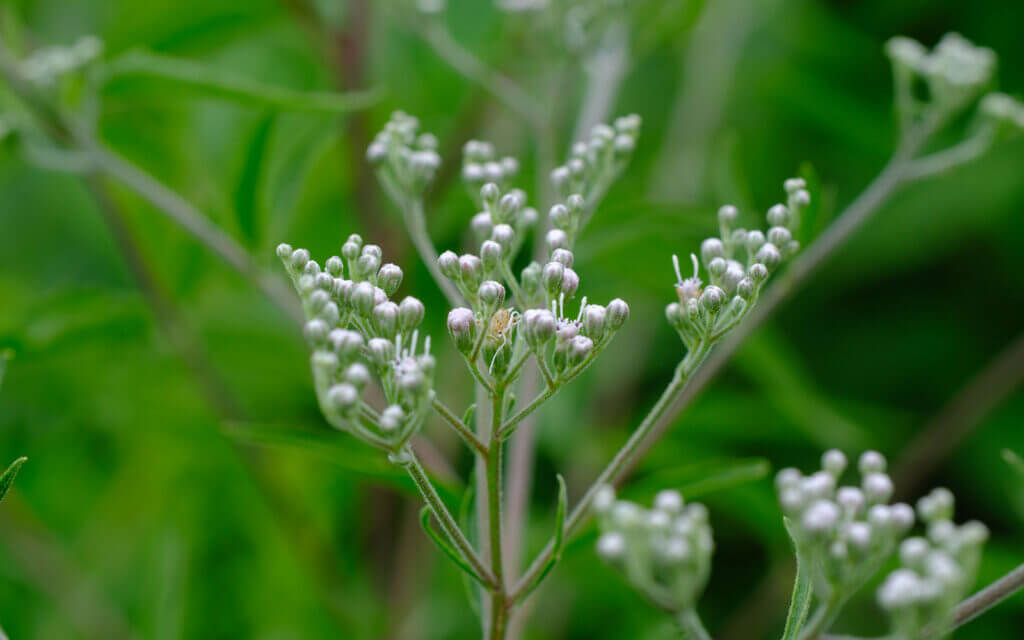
[[7, 479]]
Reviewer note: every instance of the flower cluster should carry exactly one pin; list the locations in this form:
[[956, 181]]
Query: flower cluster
[[595, 163], [737, 263], [955, 71], [843, 533], [480, 165], [45, 66], [936, 571], [664, 552], [358, 333], [406, 160]]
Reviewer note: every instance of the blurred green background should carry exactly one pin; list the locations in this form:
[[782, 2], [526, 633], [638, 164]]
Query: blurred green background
[[181, 483]]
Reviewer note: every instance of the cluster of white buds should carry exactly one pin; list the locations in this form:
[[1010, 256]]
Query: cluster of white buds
[[480, 165], [737, 263], [45, 66], [406, 160], [843, 534], [664, 552], [504, 219], [567, 345], [955, 71], [936, 571], [593, 165], [357, 332]]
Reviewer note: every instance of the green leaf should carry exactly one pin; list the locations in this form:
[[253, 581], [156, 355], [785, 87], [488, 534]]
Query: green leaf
[[559, 542], [695, 480], [1015, 461], [800, 602], [442, 544], [467, 418], [208, 80], [7, 479], [247, 204]]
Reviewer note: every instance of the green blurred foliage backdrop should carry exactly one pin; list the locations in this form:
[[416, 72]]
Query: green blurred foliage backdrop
[[181, 483]]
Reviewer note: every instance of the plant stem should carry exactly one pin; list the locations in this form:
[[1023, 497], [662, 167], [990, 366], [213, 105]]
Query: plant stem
[[416, 223], [460, 427], [444, 517], [988, 597], [499, 602], [505, 90], [691, 626], [612, 471]]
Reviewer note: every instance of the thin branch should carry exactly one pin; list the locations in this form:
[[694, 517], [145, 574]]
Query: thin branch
[[989, 597], [416, 223], [505, 90], [444, 517], [460, 427]]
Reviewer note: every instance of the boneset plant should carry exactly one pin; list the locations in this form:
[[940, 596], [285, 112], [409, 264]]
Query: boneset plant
[[375, 376], [505, 320]]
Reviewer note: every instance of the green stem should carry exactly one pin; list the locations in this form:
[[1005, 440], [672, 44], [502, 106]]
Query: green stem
[[691, 626], [499, 601], [611, 472], [444, 517], [460, 427]]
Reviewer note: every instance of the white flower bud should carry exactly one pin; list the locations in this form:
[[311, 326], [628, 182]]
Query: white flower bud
[[788, 478], [551, 277], [284, 250], [902, 517], [611, 546], [768, 255], [389, 278], [779, 236], [491, 294], [556, 239], [482, 225], [913, 552], [594, 321], [530, 279], [490, 193], [504, 235], [757, 272], [316, 332], [717, 267], [618, 313], [385, 318], [880, 516], [794, 184], [727, 215], [299, 259], [712, 298], [357, 375], [471, 271], [462, 328], [670, 501], [325, 362], [564, 256], [363, 298], [604, 499], [850, 500], [580, 349], [834, 462], [877, 488], [350, 250], [871, 462], [821, 516], [391, 418], [382, 351], [819, 485], [858, 534], [778, 216], [490, 255], [754, 240], [410, 314], [342, 398], [710, 249], [570, 282]]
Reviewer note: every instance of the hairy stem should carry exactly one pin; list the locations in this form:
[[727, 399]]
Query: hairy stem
[[499, 603], [460, 428], [614, 468], [691, 626], [445, 518]]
